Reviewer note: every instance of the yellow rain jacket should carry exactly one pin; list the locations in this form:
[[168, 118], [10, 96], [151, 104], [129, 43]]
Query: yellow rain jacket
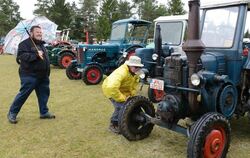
[[120, 84]]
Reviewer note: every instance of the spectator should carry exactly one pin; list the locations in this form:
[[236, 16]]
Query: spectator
[[120, 85], [34, 74]]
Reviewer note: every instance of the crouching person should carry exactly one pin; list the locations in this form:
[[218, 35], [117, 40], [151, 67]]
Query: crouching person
[[120, 85]]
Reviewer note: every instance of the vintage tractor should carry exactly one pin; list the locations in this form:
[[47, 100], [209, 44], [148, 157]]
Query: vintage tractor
[[94, 61], [168, 38], [61, 52], [209, 86]]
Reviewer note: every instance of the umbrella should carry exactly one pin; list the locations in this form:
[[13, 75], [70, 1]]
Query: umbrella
[[18, 34]]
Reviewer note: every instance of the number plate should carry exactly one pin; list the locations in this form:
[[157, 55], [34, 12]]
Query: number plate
[[157, 84]]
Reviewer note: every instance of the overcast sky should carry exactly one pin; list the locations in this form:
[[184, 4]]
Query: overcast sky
[[27, 6]]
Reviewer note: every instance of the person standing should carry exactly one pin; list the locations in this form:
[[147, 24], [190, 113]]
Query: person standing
[[120, 85], [34, 71]]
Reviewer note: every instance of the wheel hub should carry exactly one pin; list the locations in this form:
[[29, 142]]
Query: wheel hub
[[66, 60], [214, 144], [93, 75], [140, 118]]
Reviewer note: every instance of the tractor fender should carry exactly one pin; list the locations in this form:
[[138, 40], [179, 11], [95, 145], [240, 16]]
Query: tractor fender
[[66, 50]]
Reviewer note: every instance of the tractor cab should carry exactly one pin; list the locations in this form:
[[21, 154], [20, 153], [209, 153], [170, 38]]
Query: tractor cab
[[94, 61], [129, 32], [173, 31]]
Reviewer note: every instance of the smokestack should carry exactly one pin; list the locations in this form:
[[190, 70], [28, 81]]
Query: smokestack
[[158, 50], [193, 46]]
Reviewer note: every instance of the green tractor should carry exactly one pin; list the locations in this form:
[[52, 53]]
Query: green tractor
[[61, 52]]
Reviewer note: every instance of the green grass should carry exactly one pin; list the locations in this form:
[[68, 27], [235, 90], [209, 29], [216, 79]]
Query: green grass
[[80, 128]]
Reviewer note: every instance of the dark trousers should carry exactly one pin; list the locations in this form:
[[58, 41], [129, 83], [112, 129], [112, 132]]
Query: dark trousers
[[118, 106], [28, 84]]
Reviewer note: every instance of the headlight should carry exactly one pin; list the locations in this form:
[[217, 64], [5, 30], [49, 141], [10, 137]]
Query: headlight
[[52, 54], [195, 80], [154, 56], [124, 54], [142, 75]]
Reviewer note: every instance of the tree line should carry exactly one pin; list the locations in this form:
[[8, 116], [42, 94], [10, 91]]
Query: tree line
[[97, 16], [94, 16]]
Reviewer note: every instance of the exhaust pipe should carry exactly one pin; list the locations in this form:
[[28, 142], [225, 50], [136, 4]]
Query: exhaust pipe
[[193, 48], [158, 50]]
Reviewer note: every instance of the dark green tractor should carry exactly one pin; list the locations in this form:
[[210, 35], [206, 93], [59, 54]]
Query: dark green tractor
[[61, 53]]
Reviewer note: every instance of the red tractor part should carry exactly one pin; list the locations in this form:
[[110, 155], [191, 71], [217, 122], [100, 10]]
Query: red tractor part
[[65, 59]]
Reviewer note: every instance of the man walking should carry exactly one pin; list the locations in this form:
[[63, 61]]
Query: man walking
[[34, 74]]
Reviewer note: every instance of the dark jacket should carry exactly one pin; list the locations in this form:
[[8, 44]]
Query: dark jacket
[[30, 63]]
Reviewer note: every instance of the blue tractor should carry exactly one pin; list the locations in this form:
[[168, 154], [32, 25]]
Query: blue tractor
[[209, 86], [94, 61]]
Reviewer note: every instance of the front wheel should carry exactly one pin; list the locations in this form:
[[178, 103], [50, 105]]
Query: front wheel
[[72, 73], [133, 123], [210, 137], [92, 74]]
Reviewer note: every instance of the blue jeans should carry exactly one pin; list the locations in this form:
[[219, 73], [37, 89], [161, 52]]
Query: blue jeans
[[118, 109], [28, 84]]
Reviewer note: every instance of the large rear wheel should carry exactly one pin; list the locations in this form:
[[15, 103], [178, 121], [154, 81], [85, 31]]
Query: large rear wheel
[[133, 124], [209, 137], [92, 74]]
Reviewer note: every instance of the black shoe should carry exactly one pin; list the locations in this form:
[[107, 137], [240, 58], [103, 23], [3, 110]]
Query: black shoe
[[114, 129], [12, 118], [47, 115]]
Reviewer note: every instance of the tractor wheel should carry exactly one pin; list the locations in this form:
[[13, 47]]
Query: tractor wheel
[[209, 137], [155, 95], [72, 72], [65, 59], [92, 74], [132, 123]]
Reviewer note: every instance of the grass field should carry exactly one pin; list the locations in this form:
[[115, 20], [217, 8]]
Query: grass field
[[80, 128]]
